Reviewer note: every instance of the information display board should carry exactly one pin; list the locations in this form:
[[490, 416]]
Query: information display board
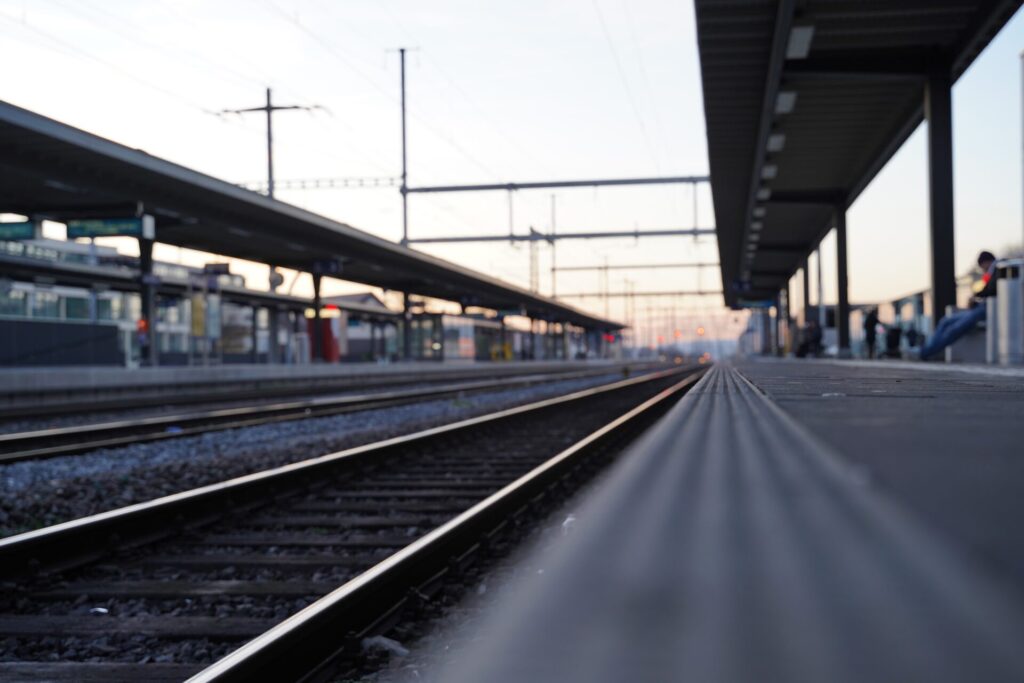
[[135, 226], [22, 230]]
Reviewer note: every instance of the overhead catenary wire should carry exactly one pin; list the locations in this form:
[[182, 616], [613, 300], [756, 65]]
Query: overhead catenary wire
[[329, 48], [625, 85], [76, 50]]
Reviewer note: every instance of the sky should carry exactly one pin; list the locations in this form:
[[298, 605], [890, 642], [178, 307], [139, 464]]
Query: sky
[[496, 92]]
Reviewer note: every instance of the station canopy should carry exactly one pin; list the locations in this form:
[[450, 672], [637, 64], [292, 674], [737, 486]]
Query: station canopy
[[54, 171], [805, 101]]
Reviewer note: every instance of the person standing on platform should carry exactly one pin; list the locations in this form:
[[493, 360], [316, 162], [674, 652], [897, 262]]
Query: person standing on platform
[[871, 330], [956, 325]]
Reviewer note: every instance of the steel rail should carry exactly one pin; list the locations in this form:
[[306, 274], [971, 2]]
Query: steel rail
[[58, 441], [196, 392], [304, 644], [79, 541]]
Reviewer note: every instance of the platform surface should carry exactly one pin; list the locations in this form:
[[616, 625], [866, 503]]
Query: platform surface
[[788, 521], [946, 441], [41, 379]]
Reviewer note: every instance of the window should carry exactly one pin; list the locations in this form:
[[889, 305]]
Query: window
[[45, 305], [105, 309], [12, 302], [76, 308]]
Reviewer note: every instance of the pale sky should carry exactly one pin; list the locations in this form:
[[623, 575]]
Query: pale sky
[[497, 92]]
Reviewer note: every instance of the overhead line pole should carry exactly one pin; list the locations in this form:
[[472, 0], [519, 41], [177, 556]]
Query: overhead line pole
[[554, 270], [269, 108], [405, 176]]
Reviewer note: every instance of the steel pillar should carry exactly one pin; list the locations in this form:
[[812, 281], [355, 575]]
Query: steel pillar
[[777, 326], [766, 332], [150, 350], [255, 334], [938, 112], [318, 338], [273, 347], [807, 288], [842, 290], [406, 328], [822, 315]]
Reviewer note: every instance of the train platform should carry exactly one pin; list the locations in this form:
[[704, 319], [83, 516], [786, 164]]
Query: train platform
[[67, 386], [789, 521]]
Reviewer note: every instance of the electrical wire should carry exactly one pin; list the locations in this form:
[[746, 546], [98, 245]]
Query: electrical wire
[[74, 49], [625, 85], [331, 50]]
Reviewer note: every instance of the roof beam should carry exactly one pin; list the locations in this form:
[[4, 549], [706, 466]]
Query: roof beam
[[765, 250], [827, 197], [773, 77], [873, 65]]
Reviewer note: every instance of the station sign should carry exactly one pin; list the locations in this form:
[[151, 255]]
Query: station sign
[[327, 267], [136, 226], [217, 268], [748, 303], [22, 230]]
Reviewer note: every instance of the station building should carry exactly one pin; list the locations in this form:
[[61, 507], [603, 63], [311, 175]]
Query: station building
[[72, 303]]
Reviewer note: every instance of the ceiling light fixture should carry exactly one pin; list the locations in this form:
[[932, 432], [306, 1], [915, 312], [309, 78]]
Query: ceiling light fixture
[[759, 212], [785, 101], [769, 171], [764, 194], [776, 141], [799, 45]]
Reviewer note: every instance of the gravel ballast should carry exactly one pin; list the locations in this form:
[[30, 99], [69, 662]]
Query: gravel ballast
[[38, 493]]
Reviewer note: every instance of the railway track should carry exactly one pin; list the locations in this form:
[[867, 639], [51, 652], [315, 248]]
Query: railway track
[[45, 443], [161, 590], [42, 404]]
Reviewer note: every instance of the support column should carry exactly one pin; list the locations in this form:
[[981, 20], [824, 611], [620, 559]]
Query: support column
[[373, 340], [318, 338], [777, 326], [273, 320], [255, 334], [150, 350], [503, 338], [766, 332], [807, 287], [784, 320], [938, 112], [406, 328], [842, 290], [822, 315]]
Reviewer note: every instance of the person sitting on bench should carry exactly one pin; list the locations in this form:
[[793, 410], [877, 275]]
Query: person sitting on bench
[[956, 325]]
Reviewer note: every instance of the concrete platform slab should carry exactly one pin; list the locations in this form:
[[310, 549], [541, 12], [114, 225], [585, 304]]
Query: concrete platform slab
[[946, 441], [733, 543]]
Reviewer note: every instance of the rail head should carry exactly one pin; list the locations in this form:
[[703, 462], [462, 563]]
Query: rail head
[[299, 646], [79, 541]]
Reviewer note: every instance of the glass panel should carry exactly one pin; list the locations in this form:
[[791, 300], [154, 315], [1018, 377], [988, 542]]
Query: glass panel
[[45, 305], [76, 308], [105, 309], [12, 302]]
